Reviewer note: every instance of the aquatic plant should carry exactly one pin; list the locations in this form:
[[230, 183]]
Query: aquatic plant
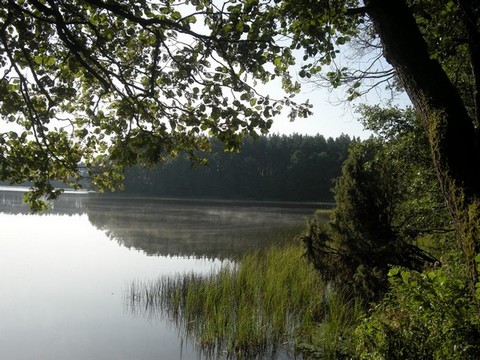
[[331, 338], [248, 309]]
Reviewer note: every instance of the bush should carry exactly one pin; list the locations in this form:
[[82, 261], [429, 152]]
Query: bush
[[367, 231], [428, 315]]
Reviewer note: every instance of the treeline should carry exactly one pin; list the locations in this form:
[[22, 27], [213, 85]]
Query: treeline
[[274, 167]]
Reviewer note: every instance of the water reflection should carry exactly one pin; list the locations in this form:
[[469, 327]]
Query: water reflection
[[63, 277], [213, 229], [62, 283], [183, 228]]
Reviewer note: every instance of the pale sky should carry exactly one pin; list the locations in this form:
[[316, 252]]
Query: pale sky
[[330, 119], [332, 116]]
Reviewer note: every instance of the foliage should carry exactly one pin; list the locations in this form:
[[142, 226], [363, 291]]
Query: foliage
[[385, 199], [113, 84], [389, 187], [331, 337], [357, 247], [166, 76], [420, 209], [428, 315], [446, 27], [292, 168]]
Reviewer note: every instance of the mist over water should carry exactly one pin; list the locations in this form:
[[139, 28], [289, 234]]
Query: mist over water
[[63, 273]]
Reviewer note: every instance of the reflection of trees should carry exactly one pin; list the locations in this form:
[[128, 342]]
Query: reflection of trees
[[11, 202], [176, 227], [185, 228]]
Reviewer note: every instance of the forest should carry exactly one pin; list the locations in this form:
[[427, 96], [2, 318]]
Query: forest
[[273, 167]]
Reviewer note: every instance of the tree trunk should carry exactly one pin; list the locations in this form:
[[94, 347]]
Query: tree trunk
[[450, 130]]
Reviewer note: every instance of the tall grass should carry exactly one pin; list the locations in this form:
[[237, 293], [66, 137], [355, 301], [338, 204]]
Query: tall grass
[[331, 338], [246, 310], [267, 301]]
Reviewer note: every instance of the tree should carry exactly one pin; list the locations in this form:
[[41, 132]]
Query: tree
[[116, 83], [142, 76], [387, 201], [297, 168], [433, 48], [450, 127]]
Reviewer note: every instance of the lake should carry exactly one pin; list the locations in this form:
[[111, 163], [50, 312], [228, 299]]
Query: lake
[[64, 273]]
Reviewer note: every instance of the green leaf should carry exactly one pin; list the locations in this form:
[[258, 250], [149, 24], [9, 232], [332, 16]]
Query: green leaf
[[406, 276], [176, 15]]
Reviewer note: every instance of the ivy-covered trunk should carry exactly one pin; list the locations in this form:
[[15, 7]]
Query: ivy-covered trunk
[[450, 129]]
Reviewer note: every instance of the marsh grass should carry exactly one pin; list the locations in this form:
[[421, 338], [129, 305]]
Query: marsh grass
[[249, 309], [331, 338], [262, 303]]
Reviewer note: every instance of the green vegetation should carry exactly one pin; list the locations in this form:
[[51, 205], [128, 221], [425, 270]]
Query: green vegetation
[[428, 315], [140, 83], [382, 209], [254, 307], [330, 337], [269, 301], [389, 244], [288, 168], [397, 287]]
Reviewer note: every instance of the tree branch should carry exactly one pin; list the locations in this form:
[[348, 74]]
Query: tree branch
[[357, 11], [470, 20]]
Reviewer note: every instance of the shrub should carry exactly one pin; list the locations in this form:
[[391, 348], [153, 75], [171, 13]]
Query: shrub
[[428, 315], [367, 232]]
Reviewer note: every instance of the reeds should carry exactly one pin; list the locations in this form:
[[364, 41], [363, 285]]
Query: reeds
[[245, 310], [265, 302], [331, 338]]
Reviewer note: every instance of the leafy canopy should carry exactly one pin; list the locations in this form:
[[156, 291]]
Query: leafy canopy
[[110, 84], [114, 83]]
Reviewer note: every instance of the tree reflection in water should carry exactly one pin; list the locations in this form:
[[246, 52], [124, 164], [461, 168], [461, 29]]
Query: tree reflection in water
[[173, 227]]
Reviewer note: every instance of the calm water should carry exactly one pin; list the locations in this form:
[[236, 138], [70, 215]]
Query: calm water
[[63, 274]]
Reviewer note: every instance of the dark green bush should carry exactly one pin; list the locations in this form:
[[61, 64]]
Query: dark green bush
[[367, 233], [428, 315]]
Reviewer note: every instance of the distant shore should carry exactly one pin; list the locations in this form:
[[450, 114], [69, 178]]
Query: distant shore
[[26, 188]]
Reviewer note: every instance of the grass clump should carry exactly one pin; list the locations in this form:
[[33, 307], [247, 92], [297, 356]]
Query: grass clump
[[331, 337], [247, 310]]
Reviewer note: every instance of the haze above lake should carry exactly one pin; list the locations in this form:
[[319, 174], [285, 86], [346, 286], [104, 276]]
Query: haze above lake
[[63, 274]]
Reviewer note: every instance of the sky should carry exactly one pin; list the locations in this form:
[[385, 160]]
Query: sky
[[332, 116]]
